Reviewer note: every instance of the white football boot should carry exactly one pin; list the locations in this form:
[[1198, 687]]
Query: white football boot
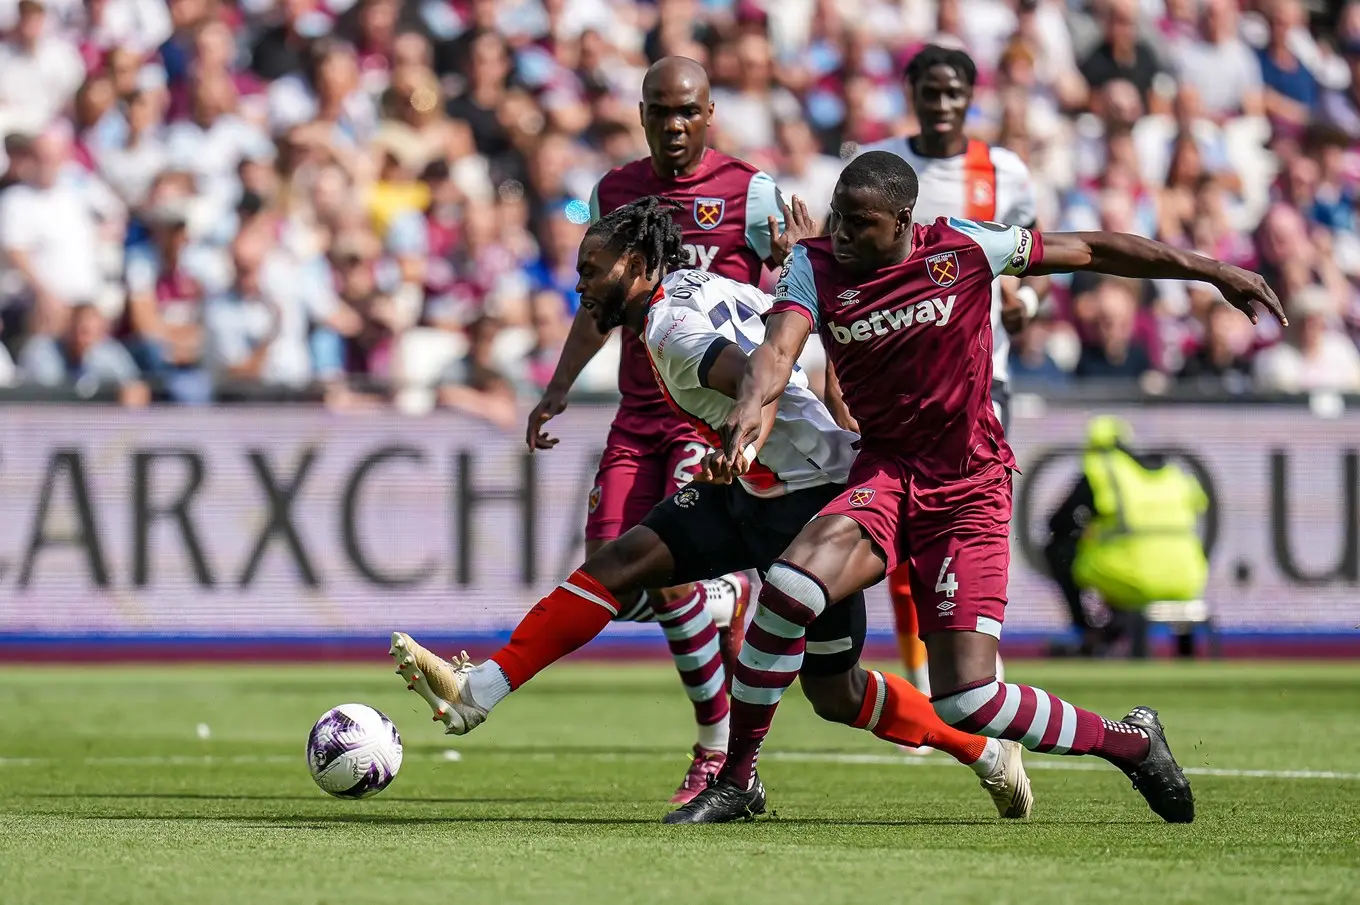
[[1008, 784], [443, 684]]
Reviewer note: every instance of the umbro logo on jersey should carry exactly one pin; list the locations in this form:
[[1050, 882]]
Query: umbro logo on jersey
[[945, 606], [933, 312], [848, 296]]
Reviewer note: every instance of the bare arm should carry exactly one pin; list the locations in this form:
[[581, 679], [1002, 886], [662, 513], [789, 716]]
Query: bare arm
[[1119, 254], [724, 376], [49, 313], [766, 374], [835, 401], [581, 346]]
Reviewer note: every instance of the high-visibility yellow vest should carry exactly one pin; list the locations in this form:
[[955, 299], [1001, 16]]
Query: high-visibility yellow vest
[[1142, 544]]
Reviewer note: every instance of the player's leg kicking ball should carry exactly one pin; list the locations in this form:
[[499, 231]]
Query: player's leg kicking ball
[[462, 695], [443, 684]]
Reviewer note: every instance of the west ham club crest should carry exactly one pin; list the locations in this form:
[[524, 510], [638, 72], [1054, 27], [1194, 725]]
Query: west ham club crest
[[861, 496], [708, 212], [943, 269]]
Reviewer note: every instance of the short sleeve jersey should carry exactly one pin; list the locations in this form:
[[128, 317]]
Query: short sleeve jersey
[[912, 343], [984, 183], [725, 208], [693, 317]]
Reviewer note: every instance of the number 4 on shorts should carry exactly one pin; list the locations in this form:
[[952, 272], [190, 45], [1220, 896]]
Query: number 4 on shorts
[[946, 583]]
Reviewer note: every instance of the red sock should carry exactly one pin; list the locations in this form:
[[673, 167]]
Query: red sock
[[576, 611], [909, 643], [896, 712]]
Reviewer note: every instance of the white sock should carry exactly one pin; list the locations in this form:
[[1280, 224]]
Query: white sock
[[919, 677], [487, 685], [1000, 669], [991, 756], [720, 599], [714, 737]]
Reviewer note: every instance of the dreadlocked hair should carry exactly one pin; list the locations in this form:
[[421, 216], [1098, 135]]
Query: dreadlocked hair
[[645, 227]]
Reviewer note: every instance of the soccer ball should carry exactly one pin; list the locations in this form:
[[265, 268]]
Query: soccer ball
[[354, 751]]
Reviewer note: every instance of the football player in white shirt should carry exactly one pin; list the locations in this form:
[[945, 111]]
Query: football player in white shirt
[[698, 328], [960, 177]]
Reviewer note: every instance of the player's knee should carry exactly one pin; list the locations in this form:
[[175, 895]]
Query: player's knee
[[966, 707], [792, 594], [832, 698]]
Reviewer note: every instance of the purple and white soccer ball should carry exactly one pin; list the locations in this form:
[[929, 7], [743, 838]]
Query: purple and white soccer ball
[[354, 751]]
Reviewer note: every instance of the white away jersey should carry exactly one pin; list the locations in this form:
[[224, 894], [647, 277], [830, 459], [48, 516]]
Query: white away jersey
[[694, 316], [945, 185]]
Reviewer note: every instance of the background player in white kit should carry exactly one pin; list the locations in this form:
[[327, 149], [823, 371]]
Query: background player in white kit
[[969, 179]]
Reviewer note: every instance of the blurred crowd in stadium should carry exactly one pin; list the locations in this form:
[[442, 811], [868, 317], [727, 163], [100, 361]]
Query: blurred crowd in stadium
[[366, 198]]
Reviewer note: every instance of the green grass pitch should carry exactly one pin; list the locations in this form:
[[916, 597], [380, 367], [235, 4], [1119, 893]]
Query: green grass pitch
[[108, 795]]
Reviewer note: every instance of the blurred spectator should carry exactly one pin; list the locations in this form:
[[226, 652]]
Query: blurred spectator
[[167, 279], [132, 166], [1292, 90], [83, 354], [39, 70], [480, 103], [1314, 355], [1219, 65], [1031, 363], [554, 273], [1221, 360], [380, 319], [49, 236], [1341, 108], [475, 385], [1123, 54], [405, 184], [550, 335], [748, 107], [1112, 350], [139, 25], [260, 328], [325, 93], [214, 140], [803, 170], [282, 48]]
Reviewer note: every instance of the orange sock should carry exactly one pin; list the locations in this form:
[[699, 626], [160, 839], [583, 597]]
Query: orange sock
[[909, 643], [896, 712], [575, 612]]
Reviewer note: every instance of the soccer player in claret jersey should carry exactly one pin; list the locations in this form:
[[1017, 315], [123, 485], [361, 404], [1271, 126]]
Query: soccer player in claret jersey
[[904, 312], [697, 327], [961, 177], [727, 210]]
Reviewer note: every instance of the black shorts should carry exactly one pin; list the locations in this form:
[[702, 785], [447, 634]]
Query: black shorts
[[714, 529]]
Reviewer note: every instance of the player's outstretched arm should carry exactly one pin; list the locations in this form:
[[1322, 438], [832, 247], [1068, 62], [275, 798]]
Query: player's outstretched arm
[[583, 342], [1120, 254], [767, 372]]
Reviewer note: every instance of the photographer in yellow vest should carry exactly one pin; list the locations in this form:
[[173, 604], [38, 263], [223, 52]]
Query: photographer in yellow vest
[[1128, 531]]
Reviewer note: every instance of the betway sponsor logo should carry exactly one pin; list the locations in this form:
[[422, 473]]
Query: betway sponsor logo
[[933, 311], [700, 257]]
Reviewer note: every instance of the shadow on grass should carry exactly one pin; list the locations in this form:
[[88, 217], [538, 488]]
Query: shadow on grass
[[319, 798], [315, 822]]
